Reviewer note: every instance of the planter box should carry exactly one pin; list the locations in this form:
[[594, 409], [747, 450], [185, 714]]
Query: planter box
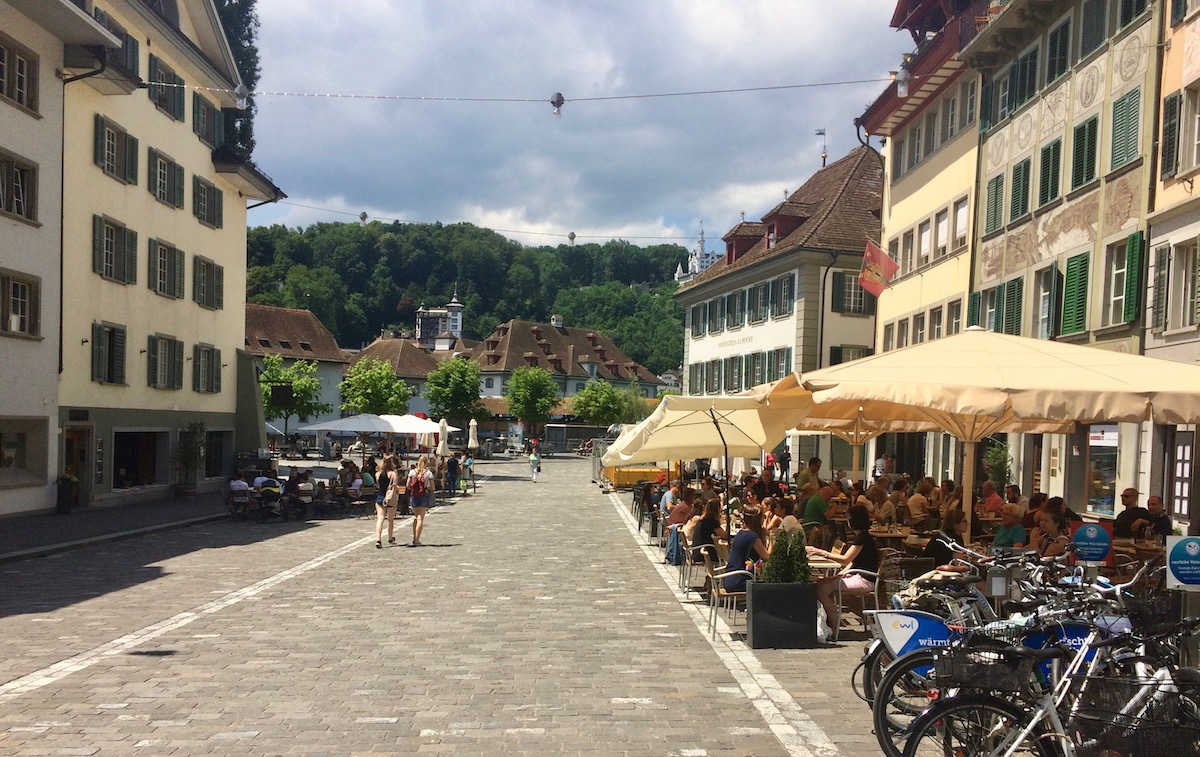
[[781, 616]]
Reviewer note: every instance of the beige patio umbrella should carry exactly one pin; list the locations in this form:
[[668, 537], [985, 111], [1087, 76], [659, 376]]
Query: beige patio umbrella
[[977, 383]]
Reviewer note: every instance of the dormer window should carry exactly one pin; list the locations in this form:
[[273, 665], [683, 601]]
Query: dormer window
[[771, 236], [492, 344], [502, 330], [264, 342], [545, 347], [285, 344], [307, 347], [493, 359], [600, 353]]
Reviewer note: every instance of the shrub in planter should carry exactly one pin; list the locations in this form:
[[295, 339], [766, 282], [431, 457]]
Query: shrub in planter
[[781, 603]]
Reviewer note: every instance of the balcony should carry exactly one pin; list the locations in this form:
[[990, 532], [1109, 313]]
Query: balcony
[[1005, 27], [249, 179], [68, 20]]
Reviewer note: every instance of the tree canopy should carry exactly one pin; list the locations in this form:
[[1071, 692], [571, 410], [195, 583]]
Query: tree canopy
[[301, 377], [371, 386], [361, 280], [453, 391], [240, 19], [531, 396], [599, 403]]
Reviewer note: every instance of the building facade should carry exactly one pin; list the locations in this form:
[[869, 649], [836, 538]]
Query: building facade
[[154, 240], [34, 38]]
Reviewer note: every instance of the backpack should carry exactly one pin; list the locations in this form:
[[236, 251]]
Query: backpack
[[416, 487]]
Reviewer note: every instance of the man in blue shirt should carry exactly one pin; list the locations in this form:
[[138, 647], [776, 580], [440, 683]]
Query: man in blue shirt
[[669, 498]]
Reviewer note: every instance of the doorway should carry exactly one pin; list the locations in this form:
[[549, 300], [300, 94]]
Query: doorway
[[76, 443]]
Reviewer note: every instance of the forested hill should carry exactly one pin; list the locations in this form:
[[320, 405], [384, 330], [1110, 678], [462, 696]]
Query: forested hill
[[362, 279]]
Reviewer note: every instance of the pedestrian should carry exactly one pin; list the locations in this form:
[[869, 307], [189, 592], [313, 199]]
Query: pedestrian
[[386, 501], [327, 446], [535, 464], [420, 491], [784, 461], [452, 468]]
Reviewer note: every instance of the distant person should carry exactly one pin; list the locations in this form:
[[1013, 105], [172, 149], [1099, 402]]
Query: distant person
[[327, 446], [535, 464], [811, 474], [452, 469], [420, 492], [784, 461]]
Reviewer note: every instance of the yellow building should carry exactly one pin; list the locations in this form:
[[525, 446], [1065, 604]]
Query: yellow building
[[154, 241], [928, 121], [1067, 110]]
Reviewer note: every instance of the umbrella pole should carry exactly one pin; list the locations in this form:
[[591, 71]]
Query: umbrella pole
[[968, 505], [725, 448], [857, 461]]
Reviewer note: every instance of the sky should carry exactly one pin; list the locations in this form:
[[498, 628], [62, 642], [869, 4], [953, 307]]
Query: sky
[[646, 169]]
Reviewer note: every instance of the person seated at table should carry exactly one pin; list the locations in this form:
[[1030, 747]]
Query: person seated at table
[[748, 545], [818, 509], [802, 496], [346, 473], [670, 497], [936, 496], [954, 524], [1010, 533], [1155, 523], [786, 510], [877, 492], [1036, 503], [771, 520], [370, 466], [918, 504], [766, 485], [684, 510], [708, 489], [857, 497], [993, 503], [861, 553], [703, 523], [1050, 537], [238, 488]]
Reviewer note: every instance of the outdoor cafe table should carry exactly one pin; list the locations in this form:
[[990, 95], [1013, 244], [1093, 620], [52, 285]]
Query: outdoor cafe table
[[884, 533], [822, 567], [1143, 550]]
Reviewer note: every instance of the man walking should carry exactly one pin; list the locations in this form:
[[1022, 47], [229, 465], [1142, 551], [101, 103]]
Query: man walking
[[784, 461]]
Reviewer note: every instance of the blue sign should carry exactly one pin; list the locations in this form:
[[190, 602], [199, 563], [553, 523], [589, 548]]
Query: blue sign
[[1093, 543], [1183, 562]]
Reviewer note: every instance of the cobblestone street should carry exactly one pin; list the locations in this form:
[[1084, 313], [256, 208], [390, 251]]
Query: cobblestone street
[[532, 621]]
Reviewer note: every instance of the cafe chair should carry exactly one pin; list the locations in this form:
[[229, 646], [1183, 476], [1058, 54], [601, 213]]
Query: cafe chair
[[719, 597], [842, 595]]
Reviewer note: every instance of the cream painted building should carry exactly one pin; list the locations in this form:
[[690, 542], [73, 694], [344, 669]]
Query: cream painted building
[[33, 37], [928, 120], [154, 240], [1067, 115]]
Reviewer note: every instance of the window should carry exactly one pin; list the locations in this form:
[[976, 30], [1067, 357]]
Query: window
[[902, 333], [1122, 282], [935, 323], [1046, 291], [206, 369], [924, 243], [1075, 295], [699, 320], [108, 353], [1171, 111], [949, 116], [764, 301], [1023, 79], [849, 296], [1083, 153], [1014, 301], [1125, 128], [695, 384], [208, 203], [918, 327], [1049, 178], [114, 250], [115, 151], [914, 146], [165, 180], [1004, 99], [716, 317], [771, 237], [969, 96], [847, 352], [18, 74], [784, 302], [941, 230], [489, 382], [20, 310], [208, 122], [991, 309], [1019, 202], [1183, 281], [1093, 25], [994, 208], [961, 220], [897, 159], [164, 362], [954, 317], [906, 255], [1178, 11], [931, 124], [18, 187], [1058, 51], [889, 336], [127, 61], [166, 269], [731, 366], [735, 309], [166, 89], [1130, 10], [208, 283]]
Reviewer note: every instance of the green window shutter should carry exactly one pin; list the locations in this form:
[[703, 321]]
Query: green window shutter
[[176, 364], [152, 362], [787, 359], [997, 325], [197, 114], [97, 352], [178, 182], [1162, 258], [98, 141], [1056, 287], [985, 106], [1019, 202], [1075, 295], [1078, 156], [1014, 299], [973, 309], [152, 264], [197, 272], [869, 301], [180, 110], [153, 76], [195, 367], [1049, 180], [1170, 134], [835, 355], [152, 171], [133, 56], [179, 266], [1133, 277], [1120, 125], [98, 244], [218, 286], [1092, 141], [118, 356], [215, 362], [130, 273], [197, 188], [218, 208], [995, 203], [218, 127], [131, 159], [1196, 310], [839, 290], [1178, 11]]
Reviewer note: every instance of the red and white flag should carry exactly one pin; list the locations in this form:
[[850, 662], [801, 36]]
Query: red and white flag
[[878, 268]]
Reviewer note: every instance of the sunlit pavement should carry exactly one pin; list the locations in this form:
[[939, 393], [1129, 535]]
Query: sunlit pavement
[[533, 621]]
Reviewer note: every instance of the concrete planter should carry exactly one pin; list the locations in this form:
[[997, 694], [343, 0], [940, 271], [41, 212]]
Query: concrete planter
[[781, 616]]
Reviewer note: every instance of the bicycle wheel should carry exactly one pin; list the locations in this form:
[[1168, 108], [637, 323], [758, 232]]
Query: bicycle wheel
[[872, 668], [905, 691], [973, 725]]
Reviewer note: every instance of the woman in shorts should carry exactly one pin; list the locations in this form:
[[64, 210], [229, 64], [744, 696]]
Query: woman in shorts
[[383, 511]]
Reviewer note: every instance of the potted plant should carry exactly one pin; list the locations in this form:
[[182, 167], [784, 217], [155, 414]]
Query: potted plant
[[68, 493], [781, 603], [189, 453]]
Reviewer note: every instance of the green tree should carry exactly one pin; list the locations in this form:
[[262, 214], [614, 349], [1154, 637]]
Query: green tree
[[531, 396], [633, 404], [301, 376], [599, 403], [453, 391], [240, 19], [371, 386]]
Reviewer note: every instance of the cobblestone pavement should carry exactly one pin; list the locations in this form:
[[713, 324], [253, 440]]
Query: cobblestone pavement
[[533, 621]]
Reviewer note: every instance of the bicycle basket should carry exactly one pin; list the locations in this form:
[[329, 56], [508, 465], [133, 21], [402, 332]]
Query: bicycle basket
[[965, 667], [1155, 612], [1127, 717]]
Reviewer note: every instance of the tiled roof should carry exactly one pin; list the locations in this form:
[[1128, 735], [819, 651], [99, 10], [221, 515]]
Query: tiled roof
[[289, 333], [408, 359], [844, 201], [746, 229], [512, 342]]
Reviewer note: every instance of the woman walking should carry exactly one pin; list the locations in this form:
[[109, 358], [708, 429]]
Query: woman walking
[[420, 491], [386, 501], [535, 464]]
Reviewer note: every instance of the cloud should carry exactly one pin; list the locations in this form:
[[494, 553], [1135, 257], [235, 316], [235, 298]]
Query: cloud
[[634, 166]]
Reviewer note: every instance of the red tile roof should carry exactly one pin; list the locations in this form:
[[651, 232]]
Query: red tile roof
[[562, 351], [408, 359], [291, 333]]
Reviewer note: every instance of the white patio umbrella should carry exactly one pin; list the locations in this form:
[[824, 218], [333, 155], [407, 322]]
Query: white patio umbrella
[[364, 423], [443, 449], [410, 424], [473, 435]]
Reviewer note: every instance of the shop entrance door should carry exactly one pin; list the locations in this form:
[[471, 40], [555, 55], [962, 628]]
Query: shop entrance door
[[76, 442]]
